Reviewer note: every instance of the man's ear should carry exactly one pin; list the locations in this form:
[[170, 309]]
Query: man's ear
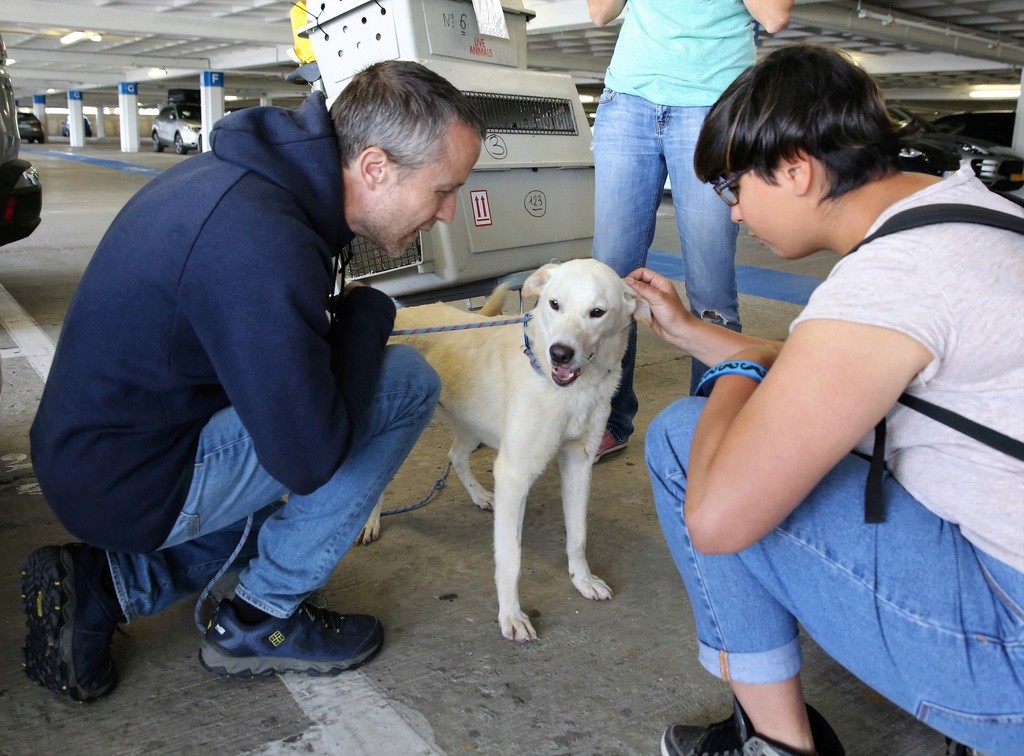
[[373, 167]]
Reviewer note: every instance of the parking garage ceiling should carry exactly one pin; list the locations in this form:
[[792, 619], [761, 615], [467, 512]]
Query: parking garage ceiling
[[928, 54]]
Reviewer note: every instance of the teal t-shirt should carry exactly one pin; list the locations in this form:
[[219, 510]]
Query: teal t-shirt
[[681, 52]]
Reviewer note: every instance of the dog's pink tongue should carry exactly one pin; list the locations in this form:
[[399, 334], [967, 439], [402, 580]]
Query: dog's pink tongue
[[563, 374]]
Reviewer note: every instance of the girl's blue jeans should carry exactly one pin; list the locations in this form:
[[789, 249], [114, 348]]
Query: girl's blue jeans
[[636, 145], [294, 545], [909, 606]]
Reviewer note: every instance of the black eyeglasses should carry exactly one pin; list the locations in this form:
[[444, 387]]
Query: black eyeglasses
[[727, 187]]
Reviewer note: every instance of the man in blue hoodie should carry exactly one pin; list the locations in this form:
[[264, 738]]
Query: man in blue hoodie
[[206, 371]]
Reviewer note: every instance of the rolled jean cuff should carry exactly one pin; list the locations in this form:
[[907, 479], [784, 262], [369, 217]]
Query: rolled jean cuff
[[759, 668]]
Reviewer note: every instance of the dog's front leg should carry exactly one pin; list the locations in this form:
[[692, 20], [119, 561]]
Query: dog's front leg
[[575, 464], [511, 485], [371, 530]]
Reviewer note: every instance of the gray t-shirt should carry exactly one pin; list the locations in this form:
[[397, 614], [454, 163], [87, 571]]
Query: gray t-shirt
[[958, 289]]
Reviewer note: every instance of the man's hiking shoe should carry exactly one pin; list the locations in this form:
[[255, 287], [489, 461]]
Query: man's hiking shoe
[[312, 640], [70, 618], [735, 736]]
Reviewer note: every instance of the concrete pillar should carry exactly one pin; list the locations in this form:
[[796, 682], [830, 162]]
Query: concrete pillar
[[100, 127], [1017, 143], [128, 102], [39, 108], [211, 99], [76, 129], [265, 99]]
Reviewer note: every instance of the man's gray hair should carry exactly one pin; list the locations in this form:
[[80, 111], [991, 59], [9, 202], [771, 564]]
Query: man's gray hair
[[404, 109]]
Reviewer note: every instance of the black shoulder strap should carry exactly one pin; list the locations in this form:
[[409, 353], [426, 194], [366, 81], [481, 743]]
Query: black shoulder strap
[[927, 215]]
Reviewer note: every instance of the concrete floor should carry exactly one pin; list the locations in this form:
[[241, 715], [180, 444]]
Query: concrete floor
[[604, 678]]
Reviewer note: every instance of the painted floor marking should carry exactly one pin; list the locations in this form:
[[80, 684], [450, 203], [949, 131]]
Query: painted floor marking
[[351, 717], [757, 282], [33, 343]]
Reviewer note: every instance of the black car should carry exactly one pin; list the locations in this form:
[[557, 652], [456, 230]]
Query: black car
[[919, 154], [65, 129], [30, 129], [992, 125], [996, 166], [21, 198]]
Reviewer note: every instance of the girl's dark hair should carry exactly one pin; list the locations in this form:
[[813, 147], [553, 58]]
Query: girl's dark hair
[[803, 97], [402, 107]]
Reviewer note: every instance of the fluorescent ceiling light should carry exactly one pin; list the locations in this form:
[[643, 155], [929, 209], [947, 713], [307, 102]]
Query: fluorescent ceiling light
[[72, 37], [157, 73], [1000, 93], [95, 36], [11, 61]]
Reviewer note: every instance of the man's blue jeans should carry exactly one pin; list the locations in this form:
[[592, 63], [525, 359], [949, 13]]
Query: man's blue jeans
[[909, 606], [293, 546], [636, 145]]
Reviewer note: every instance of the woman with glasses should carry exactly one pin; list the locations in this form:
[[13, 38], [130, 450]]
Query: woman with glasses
[[672, 59], [761, 500]]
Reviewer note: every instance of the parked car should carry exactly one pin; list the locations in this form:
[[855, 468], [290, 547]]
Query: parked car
[[21, 196], [30, 129], [65, 128], [993, 125], [178, 124], [998, 167]]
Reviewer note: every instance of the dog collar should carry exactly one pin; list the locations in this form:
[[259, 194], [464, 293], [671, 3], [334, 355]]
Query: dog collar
[[526, 347]]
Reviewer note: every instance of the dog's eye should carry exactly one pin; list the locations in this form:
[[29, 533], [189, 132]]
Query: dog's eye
[[597, 312], [554, 304]]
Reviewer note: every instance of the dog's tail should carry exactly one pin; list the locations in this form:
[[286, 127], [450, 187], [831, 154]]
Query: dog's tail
[[495, 303]]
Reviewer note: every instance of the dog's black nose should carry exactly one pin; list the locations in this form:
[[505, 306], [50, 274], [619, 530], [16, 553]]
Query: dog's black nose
[[560, 354]]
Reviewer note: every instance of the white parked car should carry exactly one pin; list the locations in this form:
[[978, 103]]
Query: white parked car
[[178, 124]]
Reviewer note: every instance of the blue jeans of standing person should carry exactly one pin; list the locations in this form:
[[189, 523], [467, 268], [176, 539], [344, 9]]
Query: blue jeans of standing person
[[294, 546], [909, 606], [636, 145]]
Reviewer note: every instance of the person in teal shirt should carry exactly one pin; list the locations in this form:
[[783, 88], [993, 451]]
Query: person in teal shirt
[[672, 60]]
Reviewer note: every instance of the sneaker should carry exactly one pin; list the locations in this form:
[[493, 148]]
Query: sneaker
[[609, 445], [959, 749], [735, 736], [312, 640], [70, 618]]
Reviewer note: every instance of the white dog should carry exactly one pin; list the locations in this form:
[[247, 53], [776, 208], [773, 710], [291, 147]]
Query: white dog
[[530, 392]]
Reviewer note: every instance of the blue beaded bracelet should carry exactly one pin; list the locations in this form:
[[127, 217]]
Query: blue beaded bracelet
[[753, 370]]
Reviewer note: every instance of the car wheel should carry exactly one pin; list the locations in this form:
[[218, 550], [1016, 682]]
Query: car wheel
[[179, 146], [157, 147]]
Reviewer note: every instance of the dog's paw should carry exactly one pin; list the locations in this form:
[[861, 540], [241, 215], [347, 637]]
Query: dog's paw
[[516, 626], [484, 499], [592, 587], [371, 530]]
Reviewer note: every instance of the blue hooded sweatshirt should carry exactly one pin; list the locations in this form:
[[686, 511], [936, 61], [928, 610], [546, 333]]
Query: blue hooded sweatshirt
[[212, 287]]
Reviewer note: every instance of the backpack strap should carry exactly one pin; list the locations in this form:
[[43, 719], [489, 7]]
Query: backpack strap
[[929, 215], [874, 508]]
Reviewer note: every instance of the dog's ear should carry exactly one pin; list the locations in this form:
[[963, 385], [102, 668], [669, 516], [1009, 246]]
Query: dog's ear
[[533, 284], [641, 307]]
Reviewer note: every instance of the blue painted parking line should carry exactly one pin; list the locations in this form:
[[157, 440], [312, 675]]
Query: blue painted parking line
[[757, 282], [115, 165]]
